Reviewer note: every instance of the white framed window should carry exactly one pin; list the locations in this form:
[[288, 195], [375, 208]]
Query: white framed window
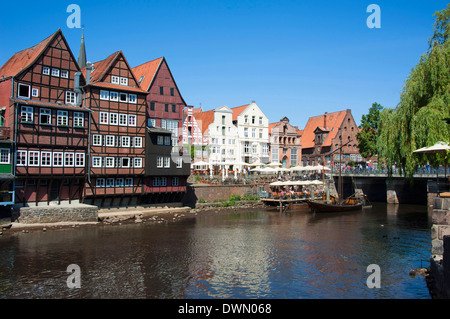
[[137, 162], [125, 141], [65, 74], [113, 96], [137, 142], [62, 118], [35, 92], [23, 90], [103, 118], [79, 159], [96, 161], [69, 159], [58, 159], [175, 181], [78, 119], [110, 182], [159, 162], [151, 122], [46, 159], [104, 95], [179, 162], [123, 97], [71, 97], [131, 120], [45, 70], [132, 98], [26, 114], [109, 162], [100, 182], [5, 156], [97, 140], [125, 162], [166, 162], [114, 79], [119, 182], [55, 72], [123, 119], [110, 140], [21, 158], [163, 181], [123, 81], [246, 132], [129, 182], [113, 118], [253, 132], [45, 116], [33, 158]]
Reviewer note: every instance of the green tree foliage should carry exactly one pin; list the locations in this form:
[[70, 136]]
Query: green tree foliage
[[418, 119], [368, 135]]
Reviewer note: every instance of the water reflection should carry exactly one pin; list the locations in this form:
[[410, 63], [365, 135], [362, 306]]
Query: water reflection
[[261, 254]]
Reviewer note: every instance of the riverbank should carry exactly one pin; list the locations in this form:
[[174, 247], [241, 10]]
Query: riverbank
[[139, 215]]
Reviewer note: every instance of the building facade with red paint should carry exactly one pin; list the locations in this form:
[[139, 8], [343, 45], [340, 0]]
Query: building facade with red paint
[[42, 107]]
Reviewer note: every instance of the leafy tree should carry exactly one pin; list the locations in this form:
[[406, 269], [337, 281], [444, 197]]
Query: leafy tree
[[368, 135], [419, 118]]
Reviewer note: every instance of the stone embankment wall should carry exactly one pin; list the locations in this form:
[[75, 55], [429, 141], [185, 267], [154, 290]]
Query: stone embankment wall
[[210, 193], [440, 249], [49, 214]]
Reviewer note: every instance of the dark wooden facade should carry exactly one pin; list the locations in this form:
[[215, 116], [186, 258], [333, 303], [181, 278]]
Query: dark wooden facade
[[50, 127]]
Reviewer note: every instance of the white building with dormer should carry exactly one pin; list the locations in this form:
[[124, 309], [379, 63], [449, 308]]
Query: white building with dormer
[[253, 131]]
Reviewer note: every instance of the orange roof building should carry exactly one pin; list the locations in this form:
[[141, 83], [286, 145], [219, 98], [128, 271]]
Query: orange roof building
[[321, 139], [40, 98]]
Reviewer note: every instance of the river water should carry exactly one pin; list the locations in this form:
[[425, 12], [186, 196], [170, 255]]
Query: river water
[[254, 254]]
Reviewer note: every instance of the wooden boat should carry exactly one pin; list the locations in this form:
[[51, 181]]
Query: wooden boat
[[321, 206]]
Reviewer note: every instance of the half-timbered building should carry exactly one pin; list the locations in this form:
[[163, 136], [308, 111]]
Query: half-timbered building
[[116, 166], [44, 111]]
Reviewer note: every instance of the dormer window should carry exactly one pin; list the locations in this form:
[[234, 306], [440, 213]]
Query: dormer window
[[114, 79], [123, 81]]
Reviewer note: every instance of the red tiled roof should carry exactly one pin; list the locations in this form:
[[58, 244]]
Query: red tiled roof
[[148, 71], [204, 119], [108, 85], [271, 125], [333, 123], [101, 69], [25, 58], [238, 110]]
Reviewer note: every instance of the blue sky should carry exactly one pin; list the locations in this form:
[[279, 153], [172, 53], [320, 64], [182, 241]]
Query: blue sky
[[294, 58]]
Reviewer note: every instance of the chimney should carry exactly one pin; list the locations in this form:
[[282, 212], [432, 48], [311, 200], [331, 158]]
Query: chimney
[[89, 69], [325, 119], [77, 88]]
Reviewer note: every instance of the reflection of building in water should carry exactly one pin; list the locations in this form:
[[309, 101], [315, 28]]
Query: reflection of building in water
[[230, 261]]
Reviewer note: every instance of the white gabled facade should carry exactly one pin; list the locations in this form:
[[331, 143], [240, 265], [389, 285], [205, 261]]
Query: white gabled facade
[[253, 130], [223, 136]]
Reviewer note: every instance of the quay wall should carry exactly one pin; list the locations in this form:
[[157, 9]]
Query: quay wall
[[56, 214], [439, 281], [210, 193]]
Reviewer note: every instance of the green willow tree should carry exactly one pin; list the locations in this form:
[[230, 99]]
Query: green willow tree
[[368, 135], [419, 118]]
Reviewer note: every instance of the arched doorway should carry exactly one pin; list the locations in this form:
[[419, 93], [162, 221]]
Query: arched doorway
[[284, 161]]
